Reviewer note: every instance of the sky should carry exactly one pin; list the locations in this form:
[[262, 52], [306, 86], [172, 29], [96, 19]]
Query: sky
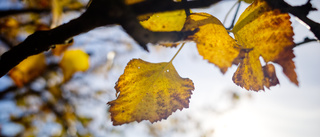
[[284, 110]]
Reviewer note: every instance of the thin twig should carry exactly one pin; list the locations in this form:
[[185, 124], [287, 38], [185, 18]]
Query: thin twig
[[225, 18], [235, 16], [306, 40], [4, 13], [8, 90], [186, 8]]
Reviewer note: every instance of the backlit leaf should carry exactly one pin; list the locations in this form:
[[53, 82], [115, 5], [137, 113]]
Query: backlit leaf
[[165, 21], [74, 61], [28, 69], [265, 33], [149, 91], [213, 41]]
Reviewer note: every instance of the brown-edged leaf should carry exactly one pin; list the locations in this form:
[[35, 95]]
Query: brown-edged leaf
[[149, 91], [265, 33], [213, 41]]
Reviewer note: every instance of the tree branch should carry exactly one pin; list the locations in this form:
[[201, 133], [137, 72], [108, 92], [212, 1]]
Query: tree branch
[[4, 13], [101, 13], [299, 11], [42, 40], [150, 6], [15, 11], [306, 40]]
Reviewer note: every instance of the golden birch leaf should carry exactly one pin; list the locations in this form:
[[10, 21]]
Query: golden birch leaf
[[149, 91], [213, 41], [263, 32], [74, 61], [28, 69], [165, 21]]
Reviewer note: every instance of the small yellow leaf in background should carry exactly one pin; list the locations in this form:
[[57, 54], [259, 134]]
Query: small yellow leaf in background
[[149, 91], [263, 32], [213, 41], [10, 22], [165, 21], [28, 69], [74, 61]]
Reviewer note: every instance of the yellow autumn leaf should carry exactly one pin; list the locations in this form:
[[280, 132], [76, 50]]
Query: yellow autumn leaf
[[28, 69], [149, 91], [213, 41], [74, 61], [165, 21], [267, 33]]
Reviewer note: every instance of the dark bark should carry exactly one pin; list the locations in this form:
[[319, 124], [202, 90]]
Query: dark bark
[[109, 12], [21, 11], [99, 13], [4, 13]]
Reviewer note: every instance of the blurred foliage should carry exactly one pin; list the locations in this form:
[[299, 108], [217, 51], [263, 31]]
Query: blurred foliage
[[74, 61], [38, 91], [28, 70], [40, 94]]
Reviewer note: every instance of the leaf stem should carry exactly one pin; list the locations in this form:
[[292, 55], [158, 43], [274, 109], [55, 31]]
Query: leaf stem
[[225, 18], [176, 53], [235, 16]]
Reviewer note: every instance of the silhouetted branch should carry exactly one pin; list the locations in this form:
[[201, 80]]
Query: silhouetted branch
[[306, 40], [100, 13], [6, 91], [4, 13], [150, 6]]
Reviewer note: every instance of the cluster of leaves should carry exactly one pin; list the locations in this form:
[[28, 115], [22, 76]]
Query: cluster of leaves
[[50, 103], [72, 60], [153, 91], [47, 107]]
